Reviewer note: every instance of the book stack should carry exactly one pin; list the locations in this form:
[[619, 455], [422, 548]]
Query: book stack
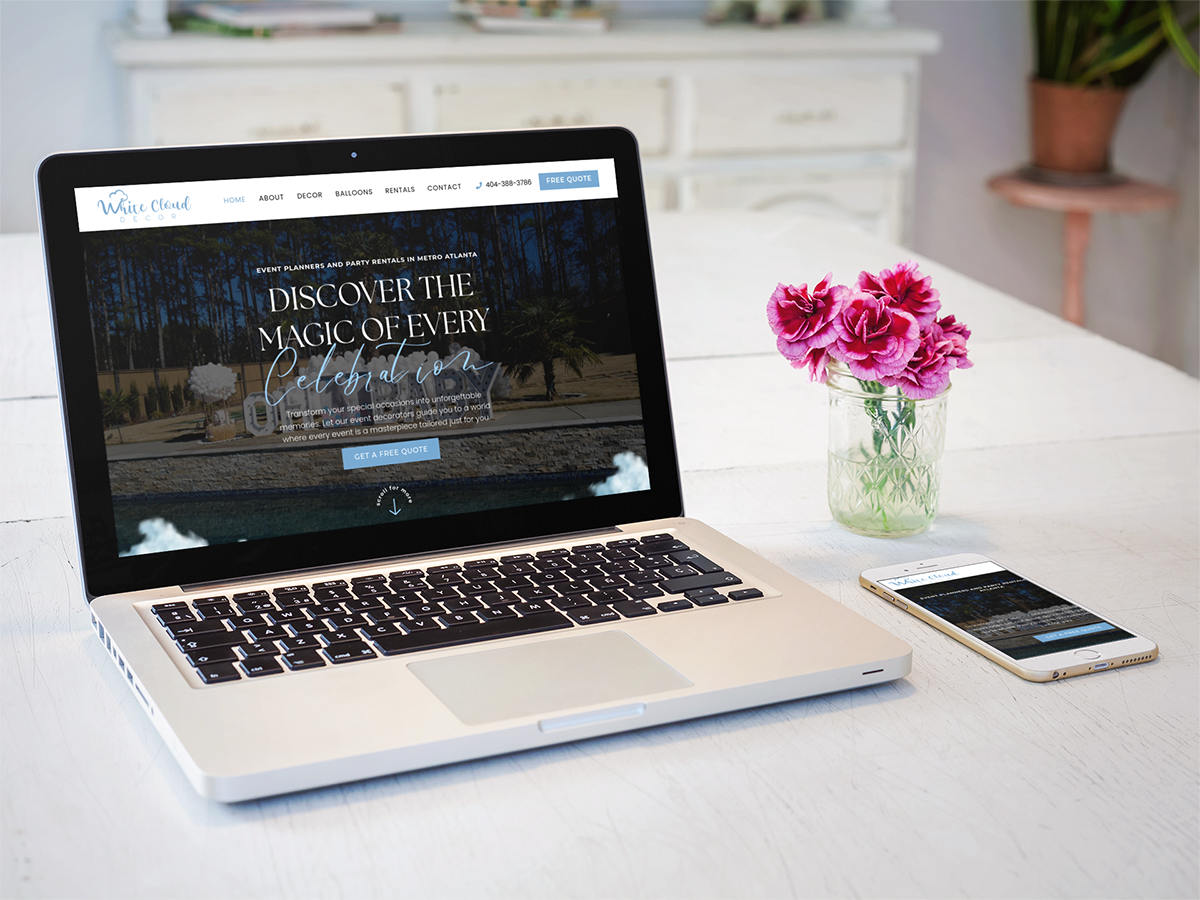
[[533, 16], [275, 18]]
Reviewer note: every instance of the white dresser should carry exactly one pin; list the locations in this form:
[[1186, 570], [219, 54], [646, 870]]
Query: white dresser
[[817, 119]]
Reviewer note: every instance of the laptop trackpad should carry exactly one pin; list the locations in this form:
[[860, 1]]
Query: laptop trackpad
[[514, 682]]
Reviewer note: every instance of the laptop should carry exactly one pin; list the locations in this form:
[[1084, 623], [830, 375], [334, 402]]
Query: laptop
[[372, 459]]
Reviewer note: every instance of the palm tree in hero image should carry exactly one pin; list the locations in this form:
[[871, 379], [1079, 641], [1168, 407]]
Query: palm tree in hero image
[[542, 331]]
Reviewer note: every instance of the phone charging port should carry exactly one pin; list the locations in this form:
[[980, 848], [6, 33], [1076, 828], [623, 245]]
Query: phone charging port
[[1101, 666]]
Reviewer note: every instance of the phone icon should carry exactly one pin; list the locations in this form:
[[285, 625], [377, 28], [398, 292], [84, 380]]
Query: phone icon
[[478, 186]]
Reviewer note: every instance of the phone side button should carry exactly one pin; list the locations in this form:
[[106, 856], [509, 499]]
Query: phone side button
[[899, 603]]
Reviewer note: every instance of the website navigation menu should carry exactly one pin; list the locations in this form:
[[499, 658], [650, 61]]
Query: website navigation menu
[[117, 207]]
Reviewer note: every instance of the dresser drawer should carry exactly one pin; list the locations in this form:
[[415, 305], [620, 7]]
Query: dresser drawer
[[189, 112], [872, 200], [639, 104], [760, 114]]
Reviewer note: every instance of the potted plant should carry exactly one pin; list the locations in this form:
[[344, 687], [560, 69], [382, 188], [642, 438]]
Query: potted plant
[[1087, 54]]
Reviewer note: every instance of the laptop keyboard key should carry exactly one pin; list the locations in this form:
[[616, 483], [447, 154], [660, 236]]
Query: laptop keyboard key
[[348, 652], [365, 604], [294, 601], [164, 607], [594, 615], [747, 594], [455, 620], [675, 605], [496, 612], [601, 598], [535, 593], [709, 599], [691, 582], [512, 582], [423, 623], [245, 651], [465, 634], [195, 642], [261, 665], [215, 655], [408, 583], [379, 616], [310, 628], [695, 560], [250, 595], [643, 591], [257, 605], [421, 610], [216, 609], [346, 621], [183, 629], [303, 659], [632, 609], [433, 595], [217, 673], [372, 631], [572, 601], [338, 637], [533, 608], [303, 642], [676, 572], [265, 633], [175, 616]]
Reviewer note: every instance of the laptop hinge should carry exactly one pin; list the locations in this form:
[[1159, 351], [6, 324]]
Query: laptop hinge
[[396, 560]]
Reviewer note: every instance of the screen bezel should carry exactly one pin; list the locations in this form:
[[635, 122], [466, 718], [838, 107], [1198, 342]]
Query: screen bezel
[[104, 572]]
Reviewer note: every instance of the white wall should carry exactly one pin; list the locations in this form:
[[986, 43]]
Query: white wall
[[60, 91], [1142, 287]]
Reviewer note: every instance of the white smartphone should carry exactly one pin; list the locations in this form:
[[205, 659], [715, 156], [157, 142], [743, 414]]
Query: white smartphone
[[1021, 625]]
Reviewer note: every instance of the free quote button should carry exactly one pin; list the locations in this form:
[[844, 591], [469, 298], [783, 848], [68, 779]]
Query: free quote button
[[560, 181], [390, 454]]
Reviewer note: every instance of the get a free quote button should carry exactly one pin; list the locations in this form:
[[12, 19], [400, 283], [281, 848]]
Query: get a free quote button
[[559, 181], [390, 454]]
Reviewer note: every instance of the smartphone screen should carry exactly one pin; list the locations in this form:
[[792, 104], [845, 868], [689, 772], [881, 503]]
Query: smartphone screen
[[1015, 616]]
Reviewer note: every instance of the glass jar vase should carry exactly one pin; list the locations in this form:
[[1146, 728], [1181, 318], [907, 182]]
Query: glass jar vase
[[885, 456]]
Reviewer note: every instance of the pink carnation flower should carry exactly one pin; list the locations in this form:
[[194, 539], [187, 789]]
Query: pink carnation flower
[[802, 319], [874, 339], [957, 333], [906, 288], [928, 372], [815, 361]]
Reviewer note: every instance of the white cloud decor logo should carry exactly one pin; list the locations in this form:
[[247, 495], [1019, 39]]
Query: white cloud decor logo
[[160, 209]]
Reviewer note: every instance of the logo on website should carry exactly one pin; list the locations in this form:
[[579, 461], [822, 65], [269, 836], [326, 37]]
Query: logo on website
[[160, 209]]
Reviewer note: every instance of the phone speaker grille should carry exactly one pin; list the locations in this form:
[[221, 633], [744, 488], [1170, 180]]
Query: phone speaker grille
[[1135, 659]]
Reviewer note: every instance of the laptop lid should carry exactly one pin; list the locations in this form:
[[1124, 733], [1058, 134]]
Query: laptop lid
[[299, 355]]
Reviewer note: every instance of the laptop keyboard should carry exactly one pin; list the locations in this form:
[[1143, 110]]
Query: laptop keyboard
[[306, 626]]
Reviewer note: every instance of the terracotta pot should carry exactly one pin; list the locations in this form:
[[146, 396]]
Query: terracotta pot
[[1073, 126]]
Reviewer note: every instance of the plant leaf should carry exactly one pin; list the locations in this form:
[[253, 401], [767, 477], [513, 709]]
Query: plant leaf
[[1177, 38]]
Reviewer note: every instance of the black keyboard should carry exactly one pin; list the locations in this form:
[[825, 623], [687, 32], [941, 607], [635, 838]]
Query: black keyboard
[[306, 626]]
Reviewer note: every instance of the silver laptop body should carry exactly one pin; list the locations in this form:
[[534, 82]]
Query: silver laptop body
[[406, 491]]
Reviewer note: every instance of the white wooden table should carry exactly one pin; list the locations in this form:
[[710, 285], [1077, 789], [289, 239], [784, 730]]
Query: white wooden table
[[1069, 458]]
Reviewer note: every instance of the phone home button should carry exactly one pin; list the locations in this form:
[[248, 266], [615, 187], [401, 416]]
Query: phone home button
[[1087, 654]]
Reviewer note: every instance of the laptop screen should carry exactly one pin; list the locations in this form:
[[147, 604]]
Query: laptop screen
[[310, 353], [324, 351]]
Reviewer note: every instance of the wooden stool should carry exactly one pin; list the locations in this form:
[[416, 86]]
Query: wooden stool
[[1079, 203]]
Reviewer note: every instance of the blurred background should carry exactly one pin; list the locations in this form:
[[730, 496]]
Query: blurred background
[[891, 116]]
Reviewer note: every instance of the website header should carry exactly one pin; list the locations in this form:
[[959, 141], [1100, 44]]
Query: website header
[[125, 207], [904, 581]]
